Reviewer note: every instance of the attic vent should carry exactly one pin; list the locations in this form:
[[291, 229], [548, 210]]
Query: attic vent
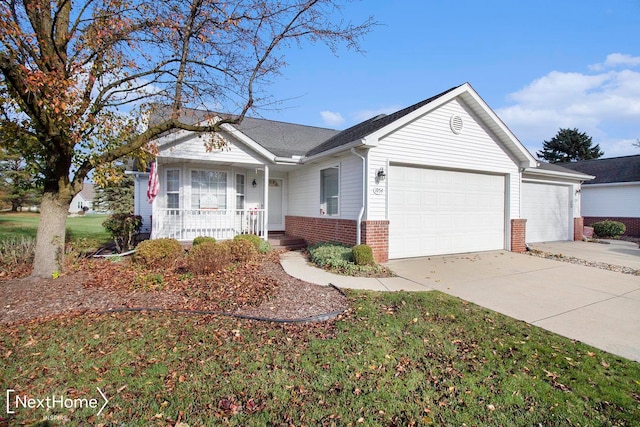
[[456, 124]]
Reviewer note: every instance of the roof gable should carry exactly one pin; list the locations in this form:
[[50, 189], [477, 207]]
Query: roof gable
[[370, 131], [614, 169], [368, 127]]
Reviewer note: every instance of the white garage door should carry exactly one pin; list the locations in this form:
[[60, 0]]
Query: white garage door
[[436, 212], [546, 209]]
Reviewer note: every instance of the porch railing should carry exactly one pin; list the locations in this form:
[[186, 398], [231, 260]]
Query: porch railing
[[187, 224]]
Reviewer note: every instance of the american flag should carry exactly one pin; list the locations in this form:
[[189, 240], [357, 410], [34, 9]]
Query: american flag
[[153, 187]]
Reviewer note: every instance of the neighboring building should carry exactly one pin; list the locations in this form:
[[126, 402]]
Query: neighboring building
[[442, 176], [83, 201], [614, 193]]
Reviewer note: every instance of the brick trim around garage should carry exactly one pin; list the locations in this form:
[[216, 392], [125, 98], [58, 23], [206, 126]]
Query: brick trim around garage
[[518, 235], [316, 230]]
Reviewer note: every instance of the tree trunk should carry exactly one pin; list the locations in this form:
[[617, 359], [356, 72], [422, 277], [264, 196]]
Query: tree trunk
[[49, 257]]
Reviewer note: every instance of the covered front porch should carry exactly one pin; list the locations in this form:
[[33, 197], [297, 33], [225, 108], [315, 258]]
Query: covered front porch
[[217, 200]]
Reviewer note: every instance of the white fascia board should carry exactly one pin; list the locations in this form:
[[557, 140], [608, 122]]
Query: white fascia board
[[373, 138], [250, 143], [612, 184], [336, 150], [504, 133], [533, 172]]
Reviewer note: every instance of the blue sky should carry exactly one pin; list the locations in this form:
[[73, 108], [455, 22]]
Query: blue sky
[[540, 65]]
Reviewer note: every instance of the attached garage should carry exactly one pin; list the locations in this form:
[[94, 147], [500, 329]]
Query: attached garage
[[548, 212], [437, 211]]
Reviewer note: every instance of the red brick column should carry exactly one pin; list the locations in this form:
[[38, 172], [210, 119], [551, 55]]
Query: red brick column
[[578, 228], [518, 235], [376, 235]]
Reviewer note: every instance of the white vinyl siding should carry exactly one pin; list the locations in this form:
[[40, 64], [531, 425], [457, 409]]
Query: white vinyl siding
[[547, 211], [428, 141], [435, 212], [613, 200], [304, 188], [193, 148], [141, 206]]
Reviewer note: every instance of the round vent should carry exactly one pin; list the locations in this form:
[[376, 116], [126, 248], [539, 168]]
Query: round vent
[[456, 124]]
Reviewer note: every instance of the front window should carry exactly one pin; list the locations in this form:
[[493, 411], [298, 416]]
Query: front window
[[173, 189], [208, 190], [240, 191], [329, 190]]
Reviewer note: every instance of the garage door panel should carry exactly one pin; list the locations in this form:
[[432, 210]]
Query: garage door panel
[[547, 211], [457, 212]]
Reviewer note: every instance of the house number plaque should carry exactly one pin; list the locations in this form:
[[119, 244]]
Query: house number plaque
[[378, 190]]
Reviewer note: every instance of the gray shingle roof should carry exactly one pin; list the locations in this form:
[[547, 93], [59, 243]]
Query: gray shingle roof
[[614, 169], [289, 139], [284, 139], [370, 126], [280, 138]]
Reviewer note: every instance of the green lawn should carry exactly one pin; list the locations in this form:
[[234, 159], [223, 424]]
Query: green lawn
[[395, 359], [16, 224]]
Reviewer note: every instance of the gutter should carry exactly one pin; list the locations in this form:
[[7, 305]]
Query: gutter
[[543, 172], [345, 147], [364, 183]]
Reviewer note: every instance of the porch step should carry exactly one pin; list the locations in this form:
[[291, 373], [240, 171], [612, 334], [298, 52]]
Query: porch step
[[289, 243]]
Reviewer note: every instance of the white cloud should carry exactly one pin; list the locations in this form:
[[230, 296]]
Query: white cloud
[[616, 60], [332, 118], [605, 105]]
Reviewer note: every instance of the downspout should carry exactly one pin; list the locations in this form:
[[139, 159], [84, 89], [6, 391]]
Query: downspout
[[364, 186], [265, 219]]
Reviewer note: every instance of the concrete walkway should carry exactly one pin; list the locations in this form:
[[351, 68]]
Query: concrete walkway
[[595, 306]]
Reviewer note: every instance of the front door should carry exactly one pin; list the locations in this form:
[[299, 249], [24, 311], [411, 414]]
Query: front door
[[276, 217]]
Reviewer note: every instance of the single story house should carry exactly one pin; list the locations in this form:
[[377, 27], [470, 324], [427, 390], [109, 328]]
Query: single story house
[[614, 193], [442, 176], [83, 201]]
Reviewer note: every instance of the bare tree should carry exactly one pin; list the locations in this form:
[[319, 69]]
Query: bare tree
[[70, 69]]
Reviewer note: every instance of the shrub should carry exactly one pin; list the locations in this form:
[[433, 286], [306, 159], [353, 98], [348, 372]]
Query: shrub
[[208, 257], [159, 253], [265, 247], [17, 250], [241, 250], [255, 240], [339, 258], [331, 254], [122, 228], [608, 228], [363, 255], [201, 239]]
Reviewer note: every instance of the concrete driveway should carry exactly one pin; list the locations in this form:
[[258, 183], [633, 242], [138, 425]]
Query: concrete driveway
[[595, 306]]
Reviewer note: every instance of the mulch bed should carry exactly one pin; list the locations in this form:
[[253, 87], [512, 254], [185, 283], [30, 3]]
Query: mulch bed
[[260, 289]]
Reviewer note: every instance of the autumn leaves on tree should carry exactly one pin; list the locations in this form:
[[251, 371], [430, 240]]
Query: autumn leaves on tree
[[79, 78]]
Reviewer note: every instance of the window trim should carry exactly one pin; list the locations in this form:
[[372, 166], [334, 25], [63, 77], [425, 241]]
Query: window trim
[[167, 192], [226, 187], [244, 191], [323, 203]]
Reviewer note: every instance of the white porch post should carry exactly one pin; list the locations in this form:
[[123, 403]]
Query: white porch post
[[265, 219]]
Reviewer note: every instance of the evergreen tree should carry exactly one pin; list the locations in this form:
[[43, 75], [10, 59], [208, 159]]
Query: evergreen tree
[[20, 183], [569, 145], [115, 196]]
